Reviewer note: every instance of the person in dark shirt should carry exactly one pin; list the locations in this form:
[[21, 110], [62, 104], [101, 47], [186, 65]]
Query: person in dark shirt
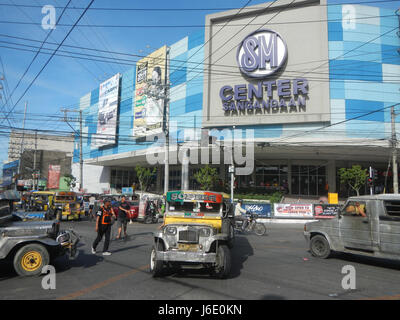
[[103, 227], [123, 212]]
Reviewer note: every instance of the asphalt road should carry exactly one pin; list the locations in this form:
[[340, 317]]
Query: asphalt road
[[275, 266]]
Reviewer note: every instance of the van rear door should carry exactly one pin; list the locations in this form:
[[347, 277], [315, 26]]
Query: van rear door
[[389, 226]]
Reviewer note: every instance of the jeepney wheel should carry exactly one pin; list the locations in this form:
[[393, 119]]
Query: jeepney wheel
[[319, 247], [231, 241], [223, 263], [156, 266], [30, 259]]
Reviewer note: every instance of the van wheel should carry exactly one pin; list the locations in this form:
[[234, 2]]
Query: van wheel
[[319, 247], [156, 266], [30, 259]]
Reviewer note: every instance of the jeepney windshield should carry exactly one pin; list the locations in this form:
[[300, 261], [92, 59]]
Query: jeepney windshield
[[204, 207]]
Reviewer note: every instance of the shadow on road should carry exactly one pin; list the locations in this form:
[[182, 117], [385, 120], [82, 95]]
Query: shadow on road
[[239, 254], [371, 261], [6, 270]]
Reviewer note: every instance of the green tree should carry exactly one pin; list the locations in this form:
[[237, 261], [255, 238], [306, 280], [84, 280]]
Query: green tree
[[206, 177], [355, 177], [70, 180], [144, 176]]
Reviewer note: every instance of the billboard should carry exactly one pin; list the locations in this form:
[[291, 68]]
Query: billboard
[[261, 209], [9, 171], [53, 181], [285, 210], [108, 111], [262, 87], [148, 110]]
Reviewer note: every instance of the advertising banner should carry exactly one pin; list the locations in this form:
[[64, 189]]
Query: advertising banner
[[53, 181], [127, 190], [148, 110], [323, 211], [285, 210], [108, 112], [9, 171], [261, 209]]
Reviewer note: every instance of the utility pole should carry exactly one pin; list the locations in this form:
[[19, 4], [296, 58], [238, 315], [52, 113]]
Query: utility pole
[[80, 150], [80, 142], [394, 152], [161, 91], [166, 124], [22, 144], [35, 176]]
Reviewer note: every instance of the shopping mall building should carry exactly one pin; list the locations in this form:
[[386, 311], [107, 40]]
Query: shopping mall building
[[306, 86]]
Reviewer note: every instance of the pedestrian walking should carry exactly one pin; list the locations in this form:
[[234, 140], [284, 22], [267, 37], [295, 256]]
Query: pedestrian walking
[[123, 212], [103, 227]]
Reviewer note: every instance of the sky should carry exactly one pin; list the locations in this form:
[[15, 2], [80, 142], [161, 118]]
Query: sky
[[64, 80]]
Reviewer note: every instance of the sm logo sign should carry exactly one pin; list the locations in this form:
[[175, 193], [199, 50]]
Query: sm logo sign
[[261, 54]]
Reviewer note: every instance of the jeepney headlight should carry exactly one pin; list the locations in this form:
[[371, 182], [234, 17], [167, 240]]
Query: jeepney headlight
[[205, 232], [170, 230], [63, 237]]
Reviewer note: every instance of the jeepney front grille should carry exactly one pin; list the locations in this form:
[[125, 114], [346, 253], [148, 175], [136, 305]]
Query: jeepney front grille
[[188, 236]]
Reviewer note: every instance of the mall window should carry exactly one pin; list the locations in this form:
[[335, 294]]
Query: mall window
[[122, 178], [271, 178], [309, 180]]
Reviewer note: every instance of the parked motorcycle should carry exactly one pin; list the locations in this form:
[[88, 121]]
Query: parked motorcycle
[[252, 225]]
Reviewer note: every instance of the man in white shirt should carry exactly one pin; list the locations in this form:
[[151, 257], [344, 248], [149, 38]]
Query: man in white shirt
[[240, 214]]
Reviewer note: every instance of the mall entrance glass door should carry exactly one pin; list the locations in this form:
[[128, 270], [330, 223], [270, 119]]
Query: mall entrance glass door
[[308, 180]]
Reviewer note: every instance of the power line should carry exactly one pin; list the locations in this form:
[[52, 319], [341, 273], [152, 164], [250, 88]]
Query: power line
[[37, 53], [175, 60], [47, 62], [190, 9], [192, 26]]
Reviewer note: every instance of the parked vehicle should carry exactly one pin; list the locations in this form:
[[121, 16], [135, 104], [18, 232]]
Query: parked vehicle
[[31, 245], [133, 212], [252, 225], [67, 206], [365, 225], [41, 201], [197, 233]]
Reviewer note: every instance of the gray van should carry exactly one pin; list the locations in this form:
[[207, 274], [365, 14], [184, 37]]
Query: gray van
[[366, 225]]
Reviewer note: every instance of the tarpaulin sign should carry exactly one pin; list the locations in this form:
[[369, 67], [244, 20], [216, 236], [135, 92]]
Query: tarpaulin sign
[[54, 177], [285, 210], [260, 209], [322, 211]]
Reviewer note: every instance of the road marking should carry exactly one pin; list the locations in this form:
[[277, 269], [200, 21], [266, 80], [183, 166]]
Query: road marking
[[102, 284]]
